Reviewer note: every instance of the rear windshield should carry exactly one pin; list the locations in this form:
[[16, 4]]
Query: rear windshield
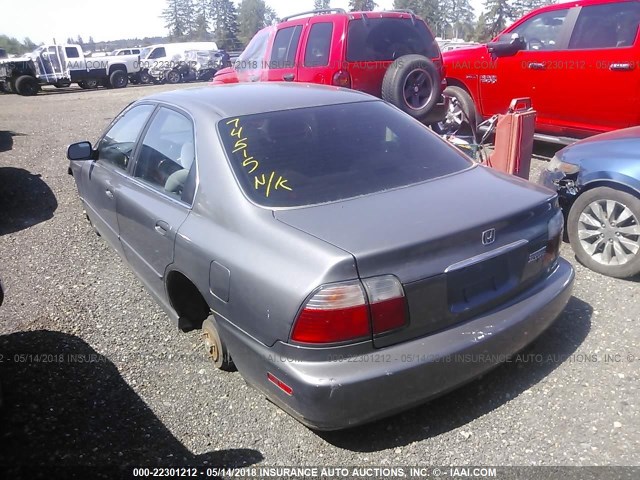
[[324, 154], [383, 39]]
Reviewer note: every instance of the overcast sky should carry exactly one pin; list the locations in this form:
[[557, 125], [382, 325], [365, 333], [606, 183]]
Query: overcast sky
[[45, 20]]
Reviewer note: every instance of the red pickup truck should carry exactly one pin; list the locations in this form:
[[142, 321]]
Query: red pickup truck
[[579, 62]]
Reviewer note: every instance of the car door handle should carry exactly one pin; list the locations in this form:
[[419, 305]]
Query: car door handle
[[289, 77], [620, 66], [162, 228], [109, 194], [536, 66]]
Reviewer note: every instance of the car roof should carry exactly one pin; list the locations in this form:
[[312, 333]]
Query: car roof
[[250, 98], [303, 17], [575, 3]]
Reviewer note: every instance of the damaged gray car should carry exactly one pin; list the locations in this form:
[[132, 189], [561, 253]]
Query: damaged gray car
[[348, 261]]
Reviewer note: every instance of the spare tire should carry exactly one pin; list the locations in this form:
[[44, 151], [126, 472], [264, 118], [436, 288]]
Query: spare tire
[[412, 83]]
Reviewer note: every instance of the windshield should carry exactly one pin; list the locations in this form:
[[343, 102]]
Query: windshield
[[144, 52], [325, 154]]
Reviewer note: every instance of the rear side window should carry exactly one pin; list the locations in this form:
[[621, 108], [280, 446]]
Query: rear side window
[[318, 45], [384, 39], [611, 25], [309, 156], [285, 47]]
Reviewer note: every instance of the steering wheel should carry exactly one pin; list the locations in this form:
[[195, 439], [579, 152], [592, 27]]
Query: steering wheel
[[534, 44]]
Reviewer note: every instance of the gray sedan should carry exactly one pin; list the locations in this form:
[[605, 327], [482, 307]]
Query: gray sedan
[[344, 258]]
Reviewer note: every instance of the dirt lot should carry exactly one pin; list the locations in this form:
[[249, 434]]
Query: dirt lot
[[93, 373]]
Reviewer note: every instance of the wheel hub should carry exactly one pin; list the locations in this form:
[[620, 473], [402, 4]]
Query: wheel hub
[[609, 232]]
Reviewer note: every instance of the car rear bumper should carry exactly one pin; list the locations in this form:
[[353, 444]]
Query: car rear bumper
[[344, 392]]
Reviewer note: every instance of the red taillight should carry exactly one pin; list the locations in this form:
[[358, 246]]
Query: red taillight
[[555, 228], [342, 79], [388, 306], [336, 313], [341, 312]]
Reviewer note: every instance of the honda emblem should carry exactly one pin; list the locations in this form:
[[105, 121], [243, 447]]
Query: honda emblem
[[489, 236]]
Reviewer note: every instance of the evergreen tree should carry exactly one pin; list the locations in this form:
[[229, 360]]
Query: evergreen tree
[[497, 13], [225, 22], [481, 33], [253, 16], [174, 19], [79, 41], [201, 19], [429, 10], [362, 5]]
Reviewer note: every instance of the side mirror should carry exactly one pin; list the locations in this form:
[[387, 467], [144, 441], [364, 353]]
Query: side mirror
[[80, 151], [503, 48]]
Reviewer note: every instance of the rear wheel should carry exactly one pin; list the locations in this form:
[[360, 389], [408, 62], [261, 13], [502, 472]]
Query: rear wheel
[[145, 77], [172, 77], [88, 84], [27, 86], [412, 83], [215, 349], [118, 79], [604, 231], [461, 116]]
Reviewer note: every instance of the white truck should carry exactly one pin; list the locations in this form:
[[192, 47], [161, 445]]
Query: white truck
[[62, 65]]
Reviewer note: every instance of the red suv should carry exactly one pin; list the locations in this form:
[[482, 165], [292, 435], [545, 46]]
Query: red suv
[[579, 62], [392, 55]]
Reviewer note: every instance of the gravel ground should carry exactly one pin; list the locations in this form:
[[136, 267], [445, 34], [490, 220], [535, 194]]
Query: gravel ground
[[118, 384]]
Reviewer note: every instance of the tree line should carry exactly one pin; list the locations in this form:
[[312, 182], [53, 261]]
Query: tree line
[[232, 27]]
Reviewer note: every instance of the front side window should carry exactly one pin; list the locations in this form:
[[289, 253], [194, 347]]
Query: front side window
[[611, 25], [541, 32], [318, 45], [252, 58], [312, 155], [159, 52], [117, 145], [385, 39], [167, 152], [285, 47]]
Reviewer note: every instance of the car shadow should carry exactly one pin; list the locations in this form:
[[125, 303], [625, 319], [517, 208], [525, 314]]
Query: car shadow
[[6, 139], [65, 406], [25, 198], [461, 406]]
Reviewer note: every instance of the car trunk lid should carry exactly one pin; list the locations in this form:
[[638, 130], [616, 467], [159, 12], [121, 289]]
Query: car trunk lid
[[459, 245]]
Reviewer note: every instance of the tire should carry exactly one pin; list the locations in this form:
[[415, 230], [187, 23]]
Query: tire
[[614, 249], [412, 83], [62, 84], [118, 79], [27, 86], [215, 348], [88, 84], [145, 77], [172, 77], [461, 117]]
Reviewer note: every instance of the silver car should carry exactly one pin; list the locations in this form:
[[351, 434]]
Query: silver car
[[348, 261]]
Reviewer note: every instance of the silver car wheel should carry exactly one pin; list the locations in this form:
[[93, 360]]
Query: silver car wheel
[[609, 232], [454, 117]]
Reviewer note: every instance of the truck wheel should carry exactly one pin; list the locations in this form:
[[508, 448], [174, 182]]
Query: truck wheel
[[412, 83], [145, 77], [62, 84], [172, 77], [89, 84], [461, 116], [604, 231], [215, 349], [27, 86], [118, 79]]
